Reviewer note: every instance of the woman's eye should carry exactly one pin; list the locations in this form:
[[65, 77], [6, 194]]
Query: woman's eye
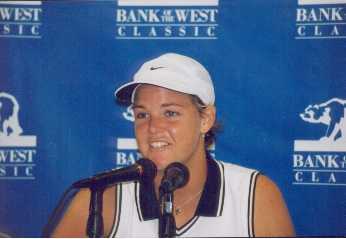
[[170, 113], [141, 115]]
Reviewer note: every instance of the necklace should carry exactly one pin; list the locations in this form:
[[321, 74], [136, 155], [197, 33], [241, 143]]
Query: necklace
[[178, 209]]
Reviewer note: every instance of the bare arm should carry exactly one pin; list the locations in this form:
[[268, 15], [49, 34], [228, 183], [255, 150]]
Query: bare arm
[[74, 221], [271, 218]]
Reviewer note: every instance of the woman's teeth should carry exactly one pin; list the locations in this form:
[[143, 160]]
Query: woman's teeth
[[157, 145]]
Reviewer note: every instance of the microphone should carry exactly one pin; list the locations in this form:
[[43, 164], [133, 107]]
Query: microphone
[[143, 170], [176, 175]]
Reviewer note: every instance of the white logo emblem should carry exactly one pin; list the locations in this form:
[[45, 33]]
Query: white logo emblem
[[128, 115], [167, 20], [316, 21], [10, 129], [9, 108], [332, 114], [20, 19], [17, 151]]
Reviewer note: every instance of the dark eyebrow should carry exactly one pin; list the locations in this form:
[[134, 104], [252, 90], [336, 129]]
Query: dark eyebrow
[[163, 105], [171, 104], [137, 106]]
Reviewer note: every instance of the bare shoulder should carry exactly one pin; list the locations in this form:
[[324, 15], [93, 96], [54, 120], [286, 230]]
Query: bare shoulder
[[74, 221], [271, 216]]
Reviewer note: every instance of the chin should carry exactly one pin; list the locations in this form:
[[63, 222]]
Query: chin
[[160, 164]]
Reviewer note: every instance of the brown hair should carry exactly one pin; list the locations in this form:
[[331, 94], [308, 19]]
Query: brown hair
[[210, 136]]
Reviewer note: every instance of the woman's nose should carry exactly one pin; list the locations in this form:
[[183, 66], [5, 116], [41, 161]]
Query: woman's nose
[[155, 124]]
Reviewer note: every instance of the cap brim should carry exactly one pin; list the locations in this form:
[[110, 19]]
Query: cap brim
[[124, 93]]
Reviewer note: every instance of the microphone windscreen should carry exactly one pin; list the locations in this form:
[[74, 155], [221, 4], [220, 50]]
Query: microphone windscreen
[[176, 175]]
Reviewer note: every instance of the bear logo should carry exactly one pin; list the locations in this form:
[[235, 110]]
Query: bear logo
[[129, 115], [331, 113], [9, 109]]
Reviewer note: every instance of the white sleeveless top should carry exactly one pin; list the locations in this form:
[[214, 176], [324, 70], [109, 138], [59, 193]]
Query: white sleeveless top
[[224, 210]]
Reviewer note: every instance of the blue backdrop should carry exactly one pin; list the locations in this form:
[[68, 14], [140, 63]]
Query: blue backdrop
[[60, 62]]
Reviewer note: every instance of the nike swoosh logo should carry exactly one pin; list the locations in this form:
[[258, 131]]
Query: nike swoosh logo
[[155, 68]]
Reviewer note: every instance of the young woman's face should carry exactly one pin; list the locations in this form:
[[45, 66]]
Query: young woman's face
[[168, 126]]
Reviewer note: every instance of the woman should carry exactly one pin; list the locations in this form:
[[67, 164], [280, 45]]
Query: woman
[[173, 103]]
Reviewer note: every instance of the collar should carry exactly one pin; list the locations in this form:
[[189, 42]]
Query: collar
[[210, 204]]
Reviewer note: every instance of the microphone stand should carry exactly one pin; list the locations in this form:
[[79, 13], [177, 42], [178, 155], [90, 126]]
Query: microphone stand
[[167, 226], [95, 219]]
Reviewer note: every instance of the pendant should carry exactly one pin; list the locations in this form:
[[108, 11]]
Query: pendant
[[178, 211]]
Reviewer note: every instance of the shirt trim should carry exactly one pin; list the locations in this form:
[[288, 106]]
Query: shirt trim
[[187, 226], [116, 221], [222, 188], [139, 212], [251, 204]]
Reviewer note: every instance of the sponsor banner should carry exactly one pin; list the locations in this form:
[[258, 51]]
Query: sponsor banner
[[126, 152], [20, 19], [17, 151], [314, 21], [322, 161], [314, 168], [158, 20]]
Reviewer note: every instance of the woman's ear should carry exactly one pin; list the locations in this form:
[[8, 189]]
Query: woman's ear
[[208, 118]]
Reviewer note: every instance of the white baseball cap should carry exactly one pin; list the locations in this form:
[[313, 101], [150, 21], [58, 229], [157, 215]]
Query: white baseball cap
[[172, 71]]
